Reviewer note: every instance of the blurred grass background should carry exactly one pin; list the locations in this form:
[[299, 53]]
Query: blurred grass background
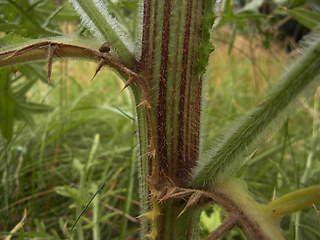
[[53, 169], [237, 81]]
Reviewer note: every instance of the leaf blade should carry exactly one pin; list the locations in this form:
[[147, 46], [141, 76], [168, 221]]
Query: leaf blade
[[306, 17]]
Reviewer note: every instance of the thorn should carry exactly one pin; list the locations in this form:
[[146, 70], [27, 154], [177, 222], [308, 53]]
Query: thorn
[[173, 190], [100, 65], [194, 199], [177, 193], [172, 184], [129, 81], [50, 54], [152, 188], [147, 215], [154, 213], [144, 103], [152, 151]]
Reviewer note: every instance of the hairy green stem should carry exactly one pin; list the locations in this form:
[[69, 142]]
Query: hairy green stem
[[254, 219], [103, 26], [224, 160]]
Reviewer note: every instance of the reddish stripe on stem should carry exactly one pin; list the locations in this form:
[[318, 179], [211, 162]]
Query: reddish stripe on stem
[[183, 175], [146, 33], [162, 115]]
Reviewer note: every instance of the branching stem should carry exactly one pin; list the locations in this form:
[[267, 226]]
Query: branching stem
[[226, 226]]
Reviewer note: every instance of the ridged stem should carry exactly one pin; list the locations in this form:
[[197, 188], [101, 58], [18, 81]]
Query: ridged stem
[[172, 36]]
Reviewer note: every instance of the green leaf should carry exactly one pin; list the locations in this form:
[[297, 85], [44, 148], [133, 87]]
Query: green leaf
[[7, 106], [37, 235], [66, 14], [78, 165], [228, 10], [296, 3], [107, 216], [247, 16], [23, 88], [21, 235], [40, 226], [35, 107], [14, 105], [252, 6], [11, 38], [51, 16], [55, 234], [306, 17], [24, 116], [67, 191], [212, 221], [206, 47], [28, 16], [35, 71], [315, 230], [93, 151]]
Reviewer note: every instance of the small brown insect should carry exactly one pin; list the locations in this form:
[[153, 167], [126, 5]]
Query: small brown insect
[[105, 48]]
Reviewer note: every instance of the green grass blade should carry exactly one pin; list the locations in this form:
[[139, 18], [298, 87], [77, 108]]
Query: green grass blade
[[7, 106], [309, 19], [130, 184], [94, 195]]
